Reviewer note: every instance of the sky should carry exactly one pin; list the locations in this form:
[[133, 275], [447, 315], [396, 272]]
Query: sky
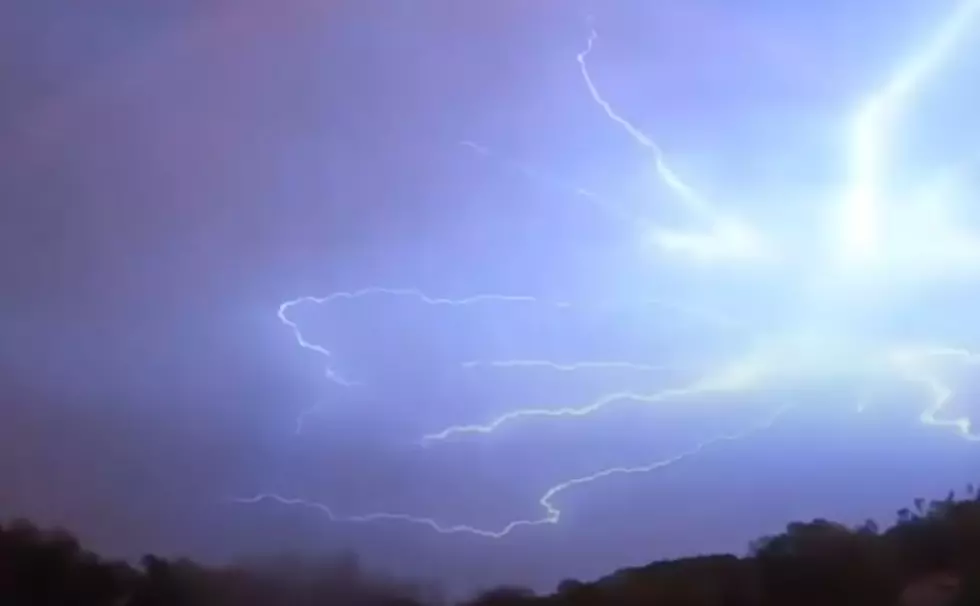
[[171, 173]]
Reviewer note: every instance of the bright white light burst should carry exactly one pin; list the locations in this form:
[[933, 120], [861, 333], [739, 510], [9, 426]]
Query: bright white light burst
[[876, 244]]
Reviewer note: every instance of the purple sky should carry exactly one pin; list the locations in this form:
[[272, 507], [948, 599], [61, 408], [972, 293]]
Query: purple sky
[[171, 173]]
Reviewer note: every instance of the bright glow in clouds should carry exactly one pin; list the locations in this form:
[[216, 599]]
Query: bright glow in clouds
[[860, 238], [876, 240]]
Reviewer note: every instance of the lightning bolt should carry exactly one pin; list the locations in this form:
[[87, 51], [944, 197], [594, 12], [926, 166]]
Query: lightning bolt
[[740, 376], [871, 136], [552, 514], [412, 293], [860, 240], [418, 296], [726, 237], [568, 367], [685, 192], [329, 372], [694, 313], [913, 365], [857, 233]]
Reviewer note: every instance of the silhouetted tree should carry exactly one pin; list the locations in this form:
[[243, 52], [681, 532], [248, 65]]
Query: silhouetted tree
[[508, 595], [929, 557]]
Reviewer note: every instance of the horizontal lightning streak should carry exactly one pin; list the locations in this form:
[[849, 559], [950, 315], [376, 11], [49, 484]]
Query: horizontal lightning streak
[[331, 374], [552, 513], [738, 377], [698, 314], [566, 367], [421, 297]]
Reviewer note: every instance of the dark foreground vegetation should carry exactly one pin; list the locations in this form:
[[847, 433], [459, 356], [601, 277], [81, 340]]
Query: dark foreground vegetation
[[930, 556]]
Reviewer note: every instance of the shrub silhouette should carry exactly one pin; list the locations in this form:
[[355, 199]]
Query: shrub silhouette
[[930, 556]]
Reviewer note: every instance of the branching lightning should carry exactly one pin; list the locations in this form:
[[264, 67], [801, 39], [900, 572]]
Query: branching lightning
[[859, 237], [552, 514], [412, 293], [725, 237]]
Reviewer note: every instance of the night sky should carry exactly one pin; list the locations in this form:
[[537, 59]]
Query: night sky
[[171, 172]]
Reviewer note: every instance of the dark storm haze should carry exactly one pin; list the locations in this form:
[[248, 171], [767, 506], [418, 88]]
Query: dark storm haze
[[172, 172]]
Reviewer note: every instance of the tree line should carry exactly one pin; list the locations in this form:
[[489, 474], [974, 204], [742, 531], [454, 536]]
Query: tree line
[[929, 556]]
